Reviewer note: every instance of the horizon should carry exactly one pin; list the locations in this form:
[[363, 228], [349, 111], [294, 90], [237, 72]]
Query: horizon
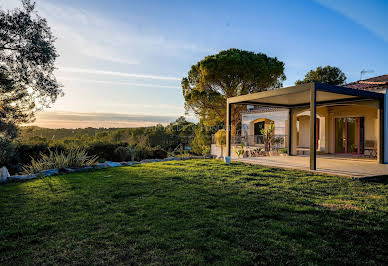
[[114, 56]]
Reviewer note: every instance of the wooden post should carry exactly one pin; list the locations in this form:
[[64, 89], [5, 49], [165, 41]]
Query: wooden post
[[313, 128], [290, 127], [228, 128]]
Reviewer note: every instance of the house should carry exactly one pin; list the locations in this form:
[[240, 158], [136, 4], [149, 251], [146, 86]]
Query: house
[[351, 120]]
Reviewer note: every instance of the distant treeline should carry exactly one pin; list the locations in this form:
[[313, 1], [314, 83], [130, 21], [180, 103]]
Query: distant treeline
[[33, 132], [116, 144]]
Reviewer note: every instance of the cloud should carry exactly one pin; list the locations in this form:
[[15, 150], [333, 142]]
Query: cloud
[[147, 85], [115, 73], [62, 119], [93, 34]]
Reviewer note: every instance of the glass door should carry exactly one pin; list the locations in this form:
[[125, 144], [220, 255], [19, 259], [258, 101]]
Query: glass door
[[349, 135], [352, 136], [340, 135], [258, 135]]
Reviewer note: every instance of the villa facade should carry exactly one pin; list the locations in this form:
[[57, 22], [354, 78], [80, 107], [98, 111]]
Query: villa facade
[[316, 118]]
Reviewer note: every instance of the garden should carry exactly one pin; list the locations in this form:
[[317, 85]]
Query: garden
[[193, 212]]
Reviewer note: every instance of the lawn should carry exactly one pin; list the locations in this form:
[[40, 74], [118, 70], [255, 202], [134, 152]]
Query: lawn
[[193, 212]]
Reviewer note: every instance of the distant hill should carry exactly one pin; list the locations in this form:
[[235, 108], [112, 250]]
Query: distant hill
[[29, 132]]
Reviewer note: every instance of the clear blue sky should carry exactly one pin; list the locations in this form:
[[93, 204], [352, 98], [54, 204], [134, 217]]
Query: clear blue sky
[[128, 57]]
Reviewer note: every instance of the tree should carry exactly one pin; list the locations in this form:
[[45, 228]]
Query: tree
[[268, 134], [328, 74], [202, 139], [229, 73], [27, 56]]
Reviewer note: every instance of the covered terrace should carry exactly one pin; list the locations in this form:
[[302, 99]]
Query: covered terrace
[[309, 97]]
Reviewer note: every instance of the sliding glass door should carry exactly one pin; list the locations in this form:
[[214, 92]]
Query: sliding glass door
[[349, 135]]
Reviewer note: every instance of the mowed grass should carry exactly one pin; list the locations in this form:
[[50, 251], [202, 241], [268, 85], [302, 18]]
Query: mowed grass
[[193, 212]]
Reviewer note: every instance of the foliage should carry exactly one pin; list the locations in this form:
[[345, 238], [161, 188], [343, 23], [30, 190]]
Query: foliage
[[194, 212], [71, 159], [268, 134], [283, 151], [201, 141], [220, 137], [328, 74], [7, 151], [27, 56], [125, 153], [239, 151], [105, 151], [277, 142], [113, 144], [229, 73]]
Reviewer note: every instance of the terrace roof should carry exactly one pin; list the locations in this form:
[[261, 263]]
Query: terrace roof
[[299, 95]]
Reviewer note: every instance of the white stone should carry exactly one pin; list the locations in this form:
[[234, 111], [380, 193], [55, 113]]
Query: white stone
[[112, 164], [50, 172], [23, 177], [4, 174], [83, 169], [100, 166], [130, 163]]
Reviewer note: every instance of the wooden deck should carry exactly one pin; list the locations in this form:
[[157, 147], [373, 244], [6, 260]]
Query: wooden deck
[[326, 164]]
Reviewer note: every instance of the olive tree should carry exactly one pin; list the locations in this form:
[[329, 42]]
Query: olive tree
[[27, 56]]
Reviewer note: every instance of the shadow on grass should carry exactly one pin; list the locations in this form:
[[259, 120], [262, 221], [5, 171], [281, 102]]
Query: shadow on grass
[[382, 179], [194, 212]]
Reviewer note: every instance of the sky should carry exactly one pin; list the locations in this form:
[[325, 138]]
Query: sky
[[121, 62]]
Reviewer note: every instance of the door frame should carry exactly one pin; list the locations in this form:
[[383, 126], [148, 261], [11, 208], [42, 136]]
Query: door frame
[[346, 135]]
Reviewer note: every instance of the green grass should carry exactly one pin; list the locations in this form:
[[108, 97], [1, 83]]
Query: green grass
[[193, 212]]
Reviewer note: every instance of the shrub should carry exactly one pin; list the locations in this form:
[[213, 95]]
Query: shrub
[[72, 159], [220, 137], [105, 151], [283, 150], [239, 151], [125, 153]]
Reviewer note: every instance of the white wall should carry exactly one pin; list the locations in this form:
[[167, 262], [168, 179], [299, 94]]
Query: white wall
[[279, 118], [215, 150]]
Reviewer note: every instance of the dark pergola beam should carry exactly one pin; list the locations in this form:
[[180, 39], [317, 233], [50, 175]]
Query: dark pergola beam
[[313, 129], [348, 91], [290, 127], [228, 128], [331, 102], [286, 106], [381, 132], [321, 103]]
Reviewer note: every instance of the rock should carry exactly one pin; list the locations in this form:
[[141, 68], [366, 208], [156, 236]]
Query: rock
[[130, 163], [68, 170], [112, 164], [50, 172], [4, 174], [100, 166], [23, 177], [83, 169], [149, 161], [169, 159]]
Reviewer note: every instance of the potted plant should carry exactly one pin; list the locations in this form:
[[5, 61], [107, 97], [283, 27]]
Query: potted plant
[[239, 151], [268, 134]]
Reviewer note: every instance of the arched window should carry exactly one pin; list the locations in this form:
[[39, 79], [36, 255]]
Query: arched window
[[256, 129]]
